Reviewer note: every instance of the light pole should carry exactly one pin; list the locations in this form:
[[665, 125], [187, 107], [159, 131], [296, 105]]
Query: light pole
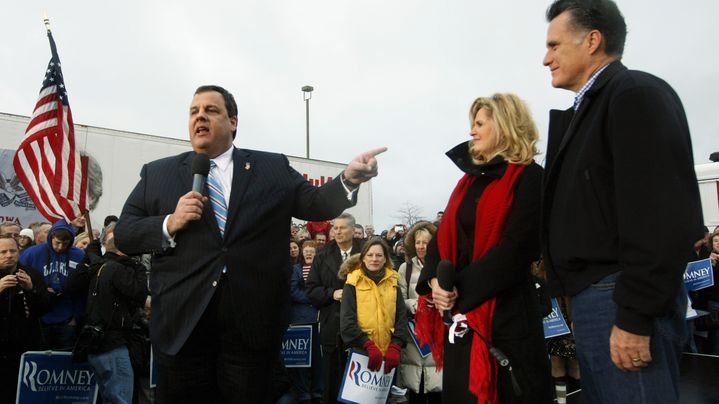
[[307, 95]]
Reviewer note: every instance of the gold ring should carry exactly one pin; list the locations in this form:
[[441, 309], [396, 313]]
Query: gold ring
[[636, 360]]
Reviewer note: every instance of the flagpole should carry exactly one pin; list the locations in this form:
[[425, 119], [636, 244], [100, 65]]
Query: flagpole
[[46, 21]]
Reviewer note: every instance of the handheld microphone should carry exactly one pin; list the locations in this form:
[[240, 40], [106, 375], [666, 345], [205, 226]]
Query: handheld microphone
[[445, 278], [200, 169]]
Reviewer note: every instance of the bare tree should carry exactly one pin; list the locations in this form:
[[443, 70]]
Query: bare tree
[[409, 213]]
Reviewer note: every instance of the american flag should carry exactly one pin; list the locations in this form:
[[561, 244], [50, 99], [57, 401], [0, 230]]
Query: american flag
[[47, 162]]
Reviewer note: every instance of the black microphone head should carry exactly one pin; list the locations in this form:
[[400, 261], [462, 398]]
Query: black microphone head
[[445, 275], [201, 164]]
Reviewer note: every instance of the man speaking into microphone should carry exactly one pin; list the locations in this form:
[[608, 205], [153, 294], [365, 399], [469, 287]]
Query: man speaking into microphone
[[220, 274]]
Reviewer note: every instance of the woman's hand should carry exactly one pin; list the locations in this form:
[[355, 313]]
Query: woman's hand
[[443, 299]]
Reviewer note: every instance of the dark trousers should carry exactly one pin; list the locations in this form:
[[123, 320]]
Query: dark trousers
[[334, 361], [211, 368], [9, 368], [59, 337], [422, 397], [308, 381]]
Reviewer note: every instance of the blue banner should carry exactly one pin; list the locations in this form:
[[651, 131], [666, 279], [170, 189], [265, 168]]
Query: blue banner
[[52, 377], [297, 346], [425, 349], [554, 324], [699, 275]]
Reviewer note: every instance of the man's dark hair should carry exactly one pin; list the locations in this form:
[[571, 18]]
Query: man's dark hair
[[109, 219], [602, 15], [62, 234], [230, 103]]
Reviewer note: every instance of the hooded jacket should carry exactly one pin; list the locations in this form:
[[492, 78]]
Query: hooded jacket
[[55, 268]]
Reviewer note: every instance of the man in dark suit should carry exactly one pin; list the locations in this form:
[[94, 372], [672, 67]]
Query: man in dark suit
[[220, 286], [324, 289], [619, 162]]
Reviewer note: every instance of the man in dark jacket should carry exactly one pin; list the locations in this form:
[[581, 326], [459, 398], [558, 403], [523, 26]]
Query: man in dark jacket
[[55, 260], [618, 162], [324, 289], [116, 288], [23, 299]]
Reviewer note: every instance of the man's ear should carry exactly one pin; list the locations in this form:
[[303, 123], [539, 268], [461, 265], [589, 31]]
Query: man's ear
[[595, 41]]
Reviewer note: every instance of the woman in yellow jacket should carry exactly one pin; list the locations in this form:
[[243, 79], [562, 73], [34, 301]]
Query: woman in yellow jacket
[[372, 315]]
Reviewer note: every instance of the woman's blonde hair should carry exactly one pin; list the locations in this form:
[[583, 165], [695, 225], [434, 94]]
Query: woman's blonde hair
[[82, 236], [423, 226], [517, 135]]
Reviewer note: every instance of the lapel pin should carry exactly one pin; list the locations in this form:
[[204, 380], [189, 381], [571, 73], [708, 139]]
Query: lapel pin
[[247, 166]]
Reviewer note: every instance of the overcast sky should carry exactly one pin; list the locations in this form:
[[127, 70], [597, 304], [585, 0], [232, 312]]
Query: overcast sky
[[400, 74]]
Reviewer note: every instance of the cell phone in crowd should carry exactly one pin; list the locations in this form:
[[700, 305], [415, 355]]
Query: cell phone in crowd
[[398, 228]]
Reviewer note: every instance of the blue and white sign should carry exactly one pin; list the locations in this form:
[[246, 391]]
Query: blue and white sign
[[699, 275], [425, 349], [361, 385], [554, 324], [297, 346], [52, 377]]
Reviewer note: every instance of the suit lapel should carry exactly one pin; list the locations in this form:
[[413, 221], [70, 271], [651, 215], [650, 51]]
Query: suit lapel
[[242, 171], [185, 171]]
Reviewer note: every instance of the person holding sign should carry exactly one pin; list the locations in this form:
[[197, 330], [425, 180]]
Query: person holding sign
[[23, 299], [372, 314], [307, 381], [708, 299], [417, 371], [488, 238]]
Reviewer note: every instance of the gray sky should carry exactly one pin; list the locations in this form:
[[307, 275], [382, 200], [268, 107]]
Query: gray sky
[[400, 74]]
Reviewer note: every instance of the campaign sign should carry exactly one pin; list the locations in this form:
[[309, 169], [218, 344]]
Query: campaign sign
[[297, 346], [699, 275], [361, 385], [52, 377], [425, 349], [554, 324]]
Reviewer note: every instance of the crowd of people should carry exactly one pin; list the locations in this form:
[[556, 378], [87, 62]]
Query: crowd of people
[[472, 286], [62, 290]]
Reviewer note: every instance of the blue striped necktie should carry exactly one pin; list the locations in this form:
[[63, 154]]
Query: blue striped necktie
[[217, 198]]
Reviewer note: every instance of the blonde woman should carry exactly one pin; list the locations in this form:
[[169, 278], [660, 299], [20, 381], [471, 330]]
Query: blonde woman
[[490, 236], [82, 240]]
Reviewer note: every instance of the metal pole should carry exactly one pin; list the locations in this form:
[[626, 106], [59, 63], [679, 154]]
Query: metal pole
[[307, 94], [307, 120]]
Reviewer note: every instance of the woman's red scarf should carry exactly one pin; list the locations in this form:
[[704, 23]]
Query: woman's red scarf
[[492, 210]]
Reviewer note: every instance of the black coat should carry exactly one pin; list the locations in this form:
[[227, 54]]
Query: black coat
[[620, 194], [266, 193], [503, 272], [116, 288], [19, 332], [321, 284]]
